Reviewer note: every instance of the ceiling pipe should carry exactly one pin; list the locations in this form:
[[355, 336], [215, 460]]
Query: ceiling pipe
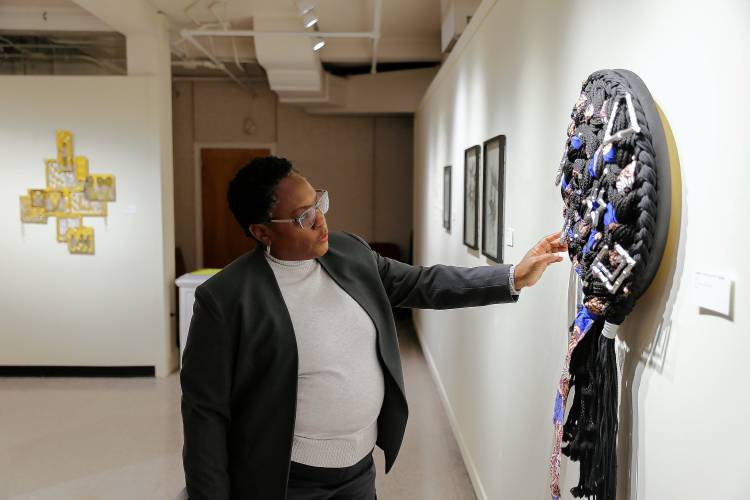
[[66, 57], [195, 63], [249, 79], [45, 46], [376, 16], [13, 45], [177, 48], [187, 10], [69, 41], [197, 23], [225, 26], [189, 34], [250, 33]]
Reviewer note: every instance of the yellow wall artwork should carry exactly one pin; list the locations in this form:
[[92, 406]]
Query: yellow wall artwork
[[81, 240], [72, 193], [100, 187]]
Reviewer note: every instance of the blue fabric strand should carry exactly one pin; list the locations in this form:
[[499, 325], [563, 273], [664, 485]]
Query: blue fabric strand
[[609, 155], [591, 242], [585, 319], [557, 417], [592, 165], [592, 168], [609, 216]]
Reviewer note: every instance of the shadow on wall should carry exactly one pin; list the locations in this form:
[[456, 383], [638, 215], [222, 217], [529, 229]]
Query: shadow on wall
[[644, 336]]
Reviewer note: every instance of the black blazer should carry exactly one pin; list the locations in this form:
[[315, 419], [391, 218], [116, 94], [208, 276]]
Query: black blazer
[[239, 367]]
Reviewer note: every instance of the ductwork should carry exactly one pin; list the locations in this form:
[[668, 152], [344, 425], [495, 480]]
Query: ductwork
[[294, 71]]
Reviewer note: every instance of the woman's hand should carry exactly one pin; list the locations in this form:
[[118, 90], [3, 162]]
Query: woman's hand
[[536, 260]]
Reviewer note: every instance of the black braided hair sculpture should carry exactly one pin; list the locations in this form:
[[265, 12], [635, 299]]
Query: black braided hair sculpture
[[615, 184]]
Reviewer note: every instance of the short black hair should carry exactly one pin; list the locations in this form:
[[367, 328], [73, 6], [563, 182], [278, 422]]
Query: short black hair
[[251, 193]]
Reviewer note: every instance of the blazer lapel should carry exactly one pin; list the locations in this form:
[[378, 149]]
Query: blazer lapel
[[266, 283]]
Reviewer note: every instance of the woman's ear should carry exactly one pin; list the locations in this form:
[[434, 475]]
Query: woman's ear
[[260, 232]]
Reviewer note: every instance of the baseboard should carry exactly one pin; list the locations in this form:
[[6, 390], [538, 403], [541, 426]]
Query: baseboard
[[468, 461], [77, 371]]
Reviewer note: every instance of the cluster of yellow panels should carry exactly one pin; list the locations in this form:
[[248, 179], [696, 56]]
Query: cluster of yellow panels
[[71, 194]]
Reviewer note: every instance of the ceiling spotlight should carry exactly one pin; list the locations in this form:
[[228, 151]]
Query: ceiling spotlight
[[304, 6], [318, 43], [310, 19]]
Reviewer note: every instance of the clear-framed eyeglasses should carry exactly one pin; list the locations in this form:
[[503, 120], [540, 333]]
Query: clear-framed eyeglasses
[[306, 220]]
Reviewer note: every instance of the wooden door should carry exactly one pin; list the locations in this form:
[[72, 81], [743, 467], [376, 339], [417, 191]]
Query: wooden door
[[223, 239]]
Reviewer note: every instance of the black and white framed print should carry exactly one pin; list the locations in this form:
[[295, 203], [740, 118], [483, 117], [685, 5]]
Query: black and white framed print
[[493, 197], [447, 198], [471, 197]]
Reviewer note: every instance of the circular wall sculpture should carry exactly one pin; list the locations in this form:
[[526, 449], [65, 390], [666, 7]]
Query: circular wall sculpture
[[615, 183]]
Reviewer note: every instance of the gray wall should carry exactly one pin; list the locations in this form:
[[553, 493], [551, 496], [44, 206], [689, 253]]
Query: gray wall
[[365, 162]]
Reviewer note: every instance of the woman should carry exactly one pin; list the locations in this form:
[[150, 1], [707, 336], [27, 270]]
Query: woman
[[291, 373]]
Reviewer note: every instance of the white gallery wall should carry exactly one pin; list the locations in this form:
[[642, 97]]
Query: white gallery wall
[[517, 71], [107, 309]]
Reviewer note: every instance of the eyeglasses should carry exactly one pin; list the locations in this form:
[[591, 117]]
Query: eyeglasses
[[306, 220]]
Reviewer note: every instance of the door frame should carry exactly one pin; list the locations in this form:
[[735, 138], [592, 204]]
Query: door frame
[[198, 147]]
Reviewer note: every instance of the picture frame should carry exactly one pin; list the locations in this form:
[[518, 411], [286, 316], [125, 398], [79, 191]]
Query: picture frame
[[471, 196], [64, 224], [57, 178], [447, 198], [81, 240], [31, 214], [100, 187], [493, 197], [55, 201], [81, 205]]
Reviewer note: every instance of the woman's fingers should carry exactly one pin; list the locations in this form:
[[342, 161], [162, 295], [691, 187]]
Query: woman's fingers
[[549, 258], [554, 236]]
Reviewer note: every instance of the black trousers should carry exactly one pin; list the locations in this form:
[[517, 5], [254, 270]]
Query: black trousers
[[323, 483]]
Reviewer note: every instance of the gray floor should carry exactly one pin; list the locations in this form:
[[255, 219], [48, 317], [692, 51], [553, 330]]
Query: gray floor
[[93, 438]]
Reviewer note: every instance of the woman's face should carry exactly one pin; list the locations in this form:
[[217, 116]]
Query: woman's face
[[288, 240]]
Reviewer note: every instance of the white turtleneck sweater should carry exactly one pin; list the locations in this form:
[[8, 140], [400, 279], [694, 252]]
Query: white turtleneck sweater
[[340, 385]]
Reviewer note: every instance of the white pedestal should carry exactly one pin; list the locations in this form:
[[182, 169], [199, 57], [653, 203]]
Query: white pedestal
[[187, 283]]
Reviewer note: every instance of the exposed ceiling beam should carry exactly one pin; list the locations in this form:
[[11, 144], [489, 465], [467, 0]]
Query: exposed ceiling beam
[[53, 18], [146, 32], [131, 17]]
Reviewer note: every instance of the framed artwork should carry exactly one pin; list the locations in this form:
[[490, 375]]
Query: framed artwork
[[83, 206], [81, 240], [493, 197], [66, 223], [81, 168], [55, 201], [37, 198], [30, 213], [471, 197], [447, 198], [57, 178], [100, 187], [64, 139]]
